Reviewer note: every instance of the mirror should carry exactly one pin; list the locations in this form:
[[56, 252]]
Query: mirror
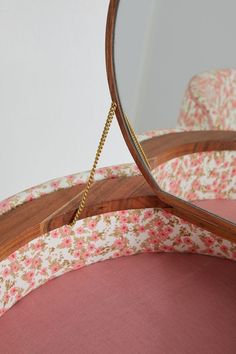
[[174, 78]]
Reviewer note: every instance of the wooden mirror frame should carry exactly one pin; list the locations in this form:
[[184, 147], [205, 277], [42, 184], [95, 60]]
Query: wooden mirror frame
[[164, 148]]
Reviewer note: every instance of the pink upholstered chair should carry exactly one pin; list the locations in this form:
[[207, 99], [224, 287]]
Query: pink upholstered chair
[[152, 303]]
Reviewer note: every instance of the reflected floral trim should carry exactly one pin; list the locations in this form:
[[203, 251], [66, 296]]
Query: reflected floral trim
[[205, 175], [210, 101]]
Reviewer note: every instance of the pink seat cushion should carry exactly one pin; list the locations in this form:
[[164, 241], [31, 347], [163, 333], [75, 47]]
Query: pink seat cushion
[[150, 303], [225, 208]]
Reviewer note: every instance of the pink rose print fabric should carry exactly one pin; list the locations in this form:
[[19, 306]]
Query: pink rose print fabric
[[210, 101], [208, 175], [101, 237], [209, 104], [199, 176]]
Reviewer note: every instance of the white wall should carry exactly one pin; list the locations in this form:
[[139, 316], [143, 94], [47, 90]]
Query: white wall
[[177, 39], [53, 91], [53, 88]]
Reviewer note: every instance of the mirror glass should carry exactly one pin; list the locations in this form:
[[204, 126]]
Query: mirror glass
[[175, 65]]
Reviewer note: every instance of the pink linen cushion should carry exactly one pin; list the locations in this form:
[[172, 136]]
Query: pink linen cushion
[[225, 208], [167, 304]]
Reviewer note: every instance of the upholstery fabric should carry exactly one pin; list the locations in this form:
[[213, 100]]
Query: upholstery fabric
[[150, 303], [101, 237], [210, 101], [65, 182], [209, 104], [199, 176], [224, 208], [193, 177]]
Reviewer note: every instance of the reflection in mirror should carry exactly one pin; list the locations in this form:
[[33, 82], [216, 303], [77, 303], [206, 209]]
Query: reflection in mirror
[[175, 65]]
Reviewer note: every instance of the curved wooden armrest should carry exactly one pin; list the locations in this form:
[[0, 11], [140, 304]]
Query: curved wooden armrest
[[162, 148], [39, 216]]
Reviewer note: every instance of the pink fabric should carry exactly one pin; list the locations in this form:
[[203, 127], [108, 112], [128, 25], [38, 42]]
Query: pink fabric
[[210, 101], [225, 208], [150, 303]]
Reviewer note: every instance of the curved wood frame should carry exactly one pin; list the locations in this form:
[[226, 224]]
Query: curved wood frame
[[204, 142], [39, 216], [163, 148]]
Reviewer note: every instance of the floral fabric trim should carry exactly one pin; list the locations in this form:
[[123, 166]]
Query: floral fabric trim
[[97, 238], [205, 175], [66, 182], [123, 233], [210, 101]]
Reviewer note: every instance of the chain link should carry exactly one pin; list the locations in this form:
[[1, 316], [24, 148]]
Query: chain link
[[90, 181]]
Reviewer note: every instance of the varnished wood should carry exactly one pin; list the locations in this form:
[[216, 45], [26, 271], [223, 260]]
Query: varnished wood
[[162, 148], [110, 67], [157, 154], [37, 217], [26, 221]]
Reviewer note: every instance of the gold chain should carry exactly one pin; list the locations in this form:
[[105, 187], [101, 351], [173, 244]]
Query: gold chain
[[137, 143], [90, 181]]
